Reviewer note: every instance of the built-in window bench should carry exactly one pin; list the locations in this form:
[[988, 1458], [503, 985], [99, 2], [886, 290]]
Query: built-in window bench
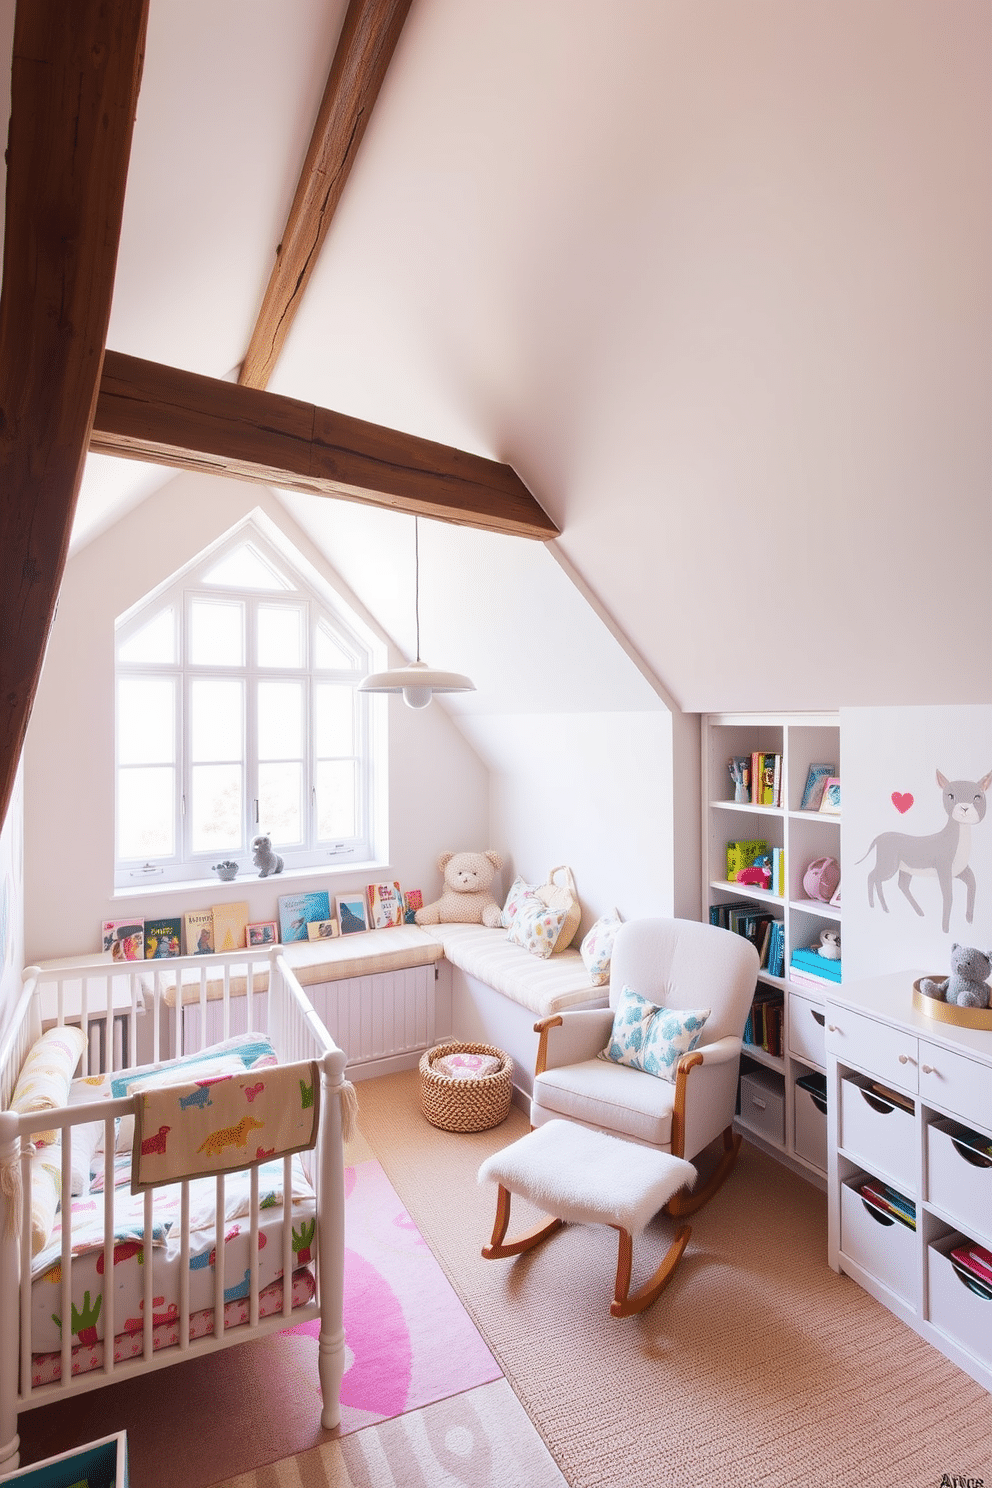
[[386, 995]]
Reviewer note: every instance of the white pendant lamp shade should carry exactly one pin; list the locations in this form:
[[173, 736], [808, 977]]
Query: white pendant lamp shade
[[417, 681]]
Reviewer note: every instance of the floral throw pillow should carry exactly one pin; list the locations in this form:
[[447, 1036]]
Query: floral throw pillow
[[651, 1038], [596, 949], [519, 892], [536, 927]]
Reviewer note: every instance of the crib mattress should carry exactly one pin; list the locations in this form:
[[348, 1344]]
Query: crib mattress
[[132, 1253]]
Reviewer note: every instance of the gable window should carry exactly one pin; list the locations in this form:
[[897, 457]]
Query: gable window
[[238, 714]]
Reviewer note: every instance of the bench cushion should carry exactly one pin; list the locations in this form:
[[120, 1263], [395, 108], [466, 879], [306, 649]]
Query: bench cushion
[[542, 986]]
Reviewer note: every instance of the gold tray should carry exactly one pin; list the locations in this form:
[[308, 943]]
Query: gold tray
[[949, 1012]]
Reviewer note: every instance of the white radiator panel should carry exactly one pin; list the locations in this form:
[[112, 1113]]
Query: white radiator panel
[[386, 1016]]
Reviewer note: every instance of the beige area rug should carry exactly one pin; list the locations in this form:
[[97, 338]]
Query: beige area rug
[[481, 1438], [758, 1365]]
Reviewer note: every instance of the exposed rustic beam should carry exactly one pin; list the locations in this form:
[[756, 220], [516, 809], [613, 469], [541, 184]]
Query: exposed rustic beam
[[368, 37], [74, 90], [150, 412]]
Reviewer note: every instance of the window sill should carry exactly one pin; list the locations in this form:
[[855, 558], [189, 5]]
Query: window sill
[[228, 888]]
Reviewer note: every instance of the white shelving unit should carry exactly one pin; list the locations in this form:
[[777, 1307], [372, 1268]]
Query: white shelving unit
[[925, 1135], [784, 1119]]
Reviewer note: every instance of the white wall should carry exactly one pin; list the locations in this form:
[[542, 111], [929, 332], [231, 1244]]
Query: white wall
[[438, 787], [591, 790], [12, 901]]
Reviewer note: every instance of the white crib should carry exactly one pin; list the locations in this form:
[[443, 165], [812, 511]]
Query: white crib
[[131, 1014]]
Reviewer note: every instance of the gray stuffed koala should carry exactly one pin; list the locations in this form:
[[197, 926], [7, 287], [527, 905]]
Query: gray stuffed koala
[[967, 986], [265, 860]]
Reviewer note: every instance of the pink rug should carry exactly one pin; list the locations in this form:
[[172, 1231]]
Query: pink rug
[[410, 1341]]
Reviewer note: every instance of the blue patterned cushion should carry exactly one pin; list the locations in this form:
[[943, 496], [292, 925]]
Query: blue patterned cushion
[[651, 1038]]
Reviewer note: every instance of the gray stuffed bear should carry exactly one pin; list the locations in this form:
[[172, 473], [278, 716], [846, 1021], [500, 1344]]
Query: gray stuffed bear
[[967, 986], [265, 860]]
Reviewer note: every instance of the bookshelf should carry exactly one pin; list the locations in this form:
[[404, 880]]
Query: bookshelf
[[789, 1120]]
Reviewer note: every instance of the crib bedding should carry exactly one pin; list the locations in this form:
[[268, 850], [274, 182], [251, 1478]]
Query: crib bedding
[[46, 1368], [87, 1242]]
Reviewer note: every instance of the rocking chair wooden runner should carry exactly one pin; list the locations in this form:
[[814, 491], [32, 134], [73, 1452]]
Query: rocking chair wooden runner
[[673, 963]]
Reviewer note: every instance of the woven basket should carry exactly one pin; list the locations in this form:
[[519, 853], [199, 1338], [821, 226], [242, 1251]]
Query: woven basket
[[465, 1104]]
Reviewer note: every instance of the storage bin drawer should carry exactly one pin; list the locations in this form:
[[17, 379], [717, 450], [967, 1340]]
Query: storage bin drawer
[[878, 1132], [763, 1105], [959, 1179], [890, 1053], [956, 1082], [806, 1023], [954, 1308], [810, 1120], [883, 1246]]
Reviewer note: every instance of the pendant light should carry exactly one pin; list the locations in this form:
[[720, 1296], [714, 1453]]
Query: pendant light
[[417, 681]]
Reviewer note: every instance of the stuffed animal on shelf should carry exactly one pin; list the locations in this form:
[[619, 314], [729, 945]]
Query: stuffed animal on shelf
[[265, 859], [967, 985], [467, 897], [829, 947], [758, 873]]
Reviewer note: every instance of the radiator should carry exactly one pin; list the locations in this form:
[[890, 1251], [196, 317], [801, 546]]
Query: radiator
[[383, 1021]]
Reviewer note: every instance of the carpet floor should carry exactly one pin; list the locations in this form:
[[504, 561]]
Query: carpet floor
[[757, 1365]]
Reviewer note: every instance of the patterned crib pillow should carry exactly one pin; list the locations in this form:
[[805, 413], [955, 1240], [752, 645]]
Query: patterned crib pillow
[[536, 927], [596, 949], [651, 1038], [46, 1191], [46, 1075], [515, 900]]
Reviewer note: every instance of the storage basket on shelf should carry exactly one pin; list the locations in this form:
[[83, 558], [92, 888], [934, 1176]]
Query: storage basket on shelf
[[472, 1099]]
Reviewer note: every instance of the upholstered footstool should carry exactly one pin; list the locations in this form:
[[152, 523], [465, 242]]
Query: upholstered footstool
[[586, 1177]]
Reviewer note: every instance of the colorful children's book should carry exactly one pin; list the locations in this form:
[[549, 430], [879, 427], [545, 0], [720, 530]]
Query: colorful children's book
[[263, 933], [230, 926], [385, 905], [163, 938], [296, 911], [199, 931], [124, 940], [816, 779], [413, 900], [322, 929]]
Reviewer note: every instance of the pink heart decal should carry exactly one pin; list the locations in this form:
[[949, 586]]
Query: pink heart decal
[[902, 801]]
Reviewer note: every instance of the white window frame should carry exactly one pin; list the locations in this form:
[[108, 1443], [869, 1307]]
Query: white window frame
[[320, 605]]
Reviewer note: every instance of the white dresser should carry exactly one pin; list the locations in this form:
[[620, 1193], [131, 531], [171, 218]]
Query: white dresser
[[913, 1143]]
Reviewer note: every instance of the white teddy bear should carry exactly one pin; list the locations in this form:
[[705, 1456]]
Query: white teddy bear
[[467, 898]]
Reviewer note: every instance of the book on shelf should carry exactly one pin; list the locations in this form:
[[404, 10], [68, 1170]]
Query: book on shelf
[[894, 1097], [741, 855], [889, 1201], [263, 933], [231, 926], [199, 927], [321, 929], [163, 937], [830, 800], [974, 1261], [763, 1029], [413, 899], [123, 940], [296, 911], [739, 769], [813, 964], [816, 778], [385, 905]]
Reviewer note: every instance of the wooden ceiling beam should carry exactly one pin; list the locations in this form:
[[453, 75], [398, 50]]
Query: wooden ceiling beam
[[74, 91], [147, 411], [368, 38]]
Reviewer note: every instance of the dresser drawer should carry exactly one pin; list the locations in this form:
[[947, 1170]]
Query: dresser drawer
[[878, 1132], [955, 1308], [884, 1247], [806, 1023], [955, 1082], [889, 1053], [959, 1179]]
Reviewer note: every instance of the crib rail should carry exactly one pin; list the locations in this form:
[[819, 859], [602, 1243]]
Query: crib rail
[[152, 999]]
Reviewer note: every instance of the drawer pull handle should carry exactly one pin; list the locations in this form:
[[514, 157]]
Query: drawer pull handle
[[906, 1059], [928, 1069], [976, 1159], [832, 1028], [818, 1017], [759, 1103]]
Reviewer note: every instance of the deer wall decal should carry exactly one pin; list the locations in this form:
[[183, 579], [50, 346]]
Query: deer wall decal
[[942, 855]]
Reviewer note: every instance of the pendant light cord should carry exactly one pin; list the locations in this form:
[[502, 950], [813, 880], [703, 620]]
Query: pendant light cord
[[416, 580]]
